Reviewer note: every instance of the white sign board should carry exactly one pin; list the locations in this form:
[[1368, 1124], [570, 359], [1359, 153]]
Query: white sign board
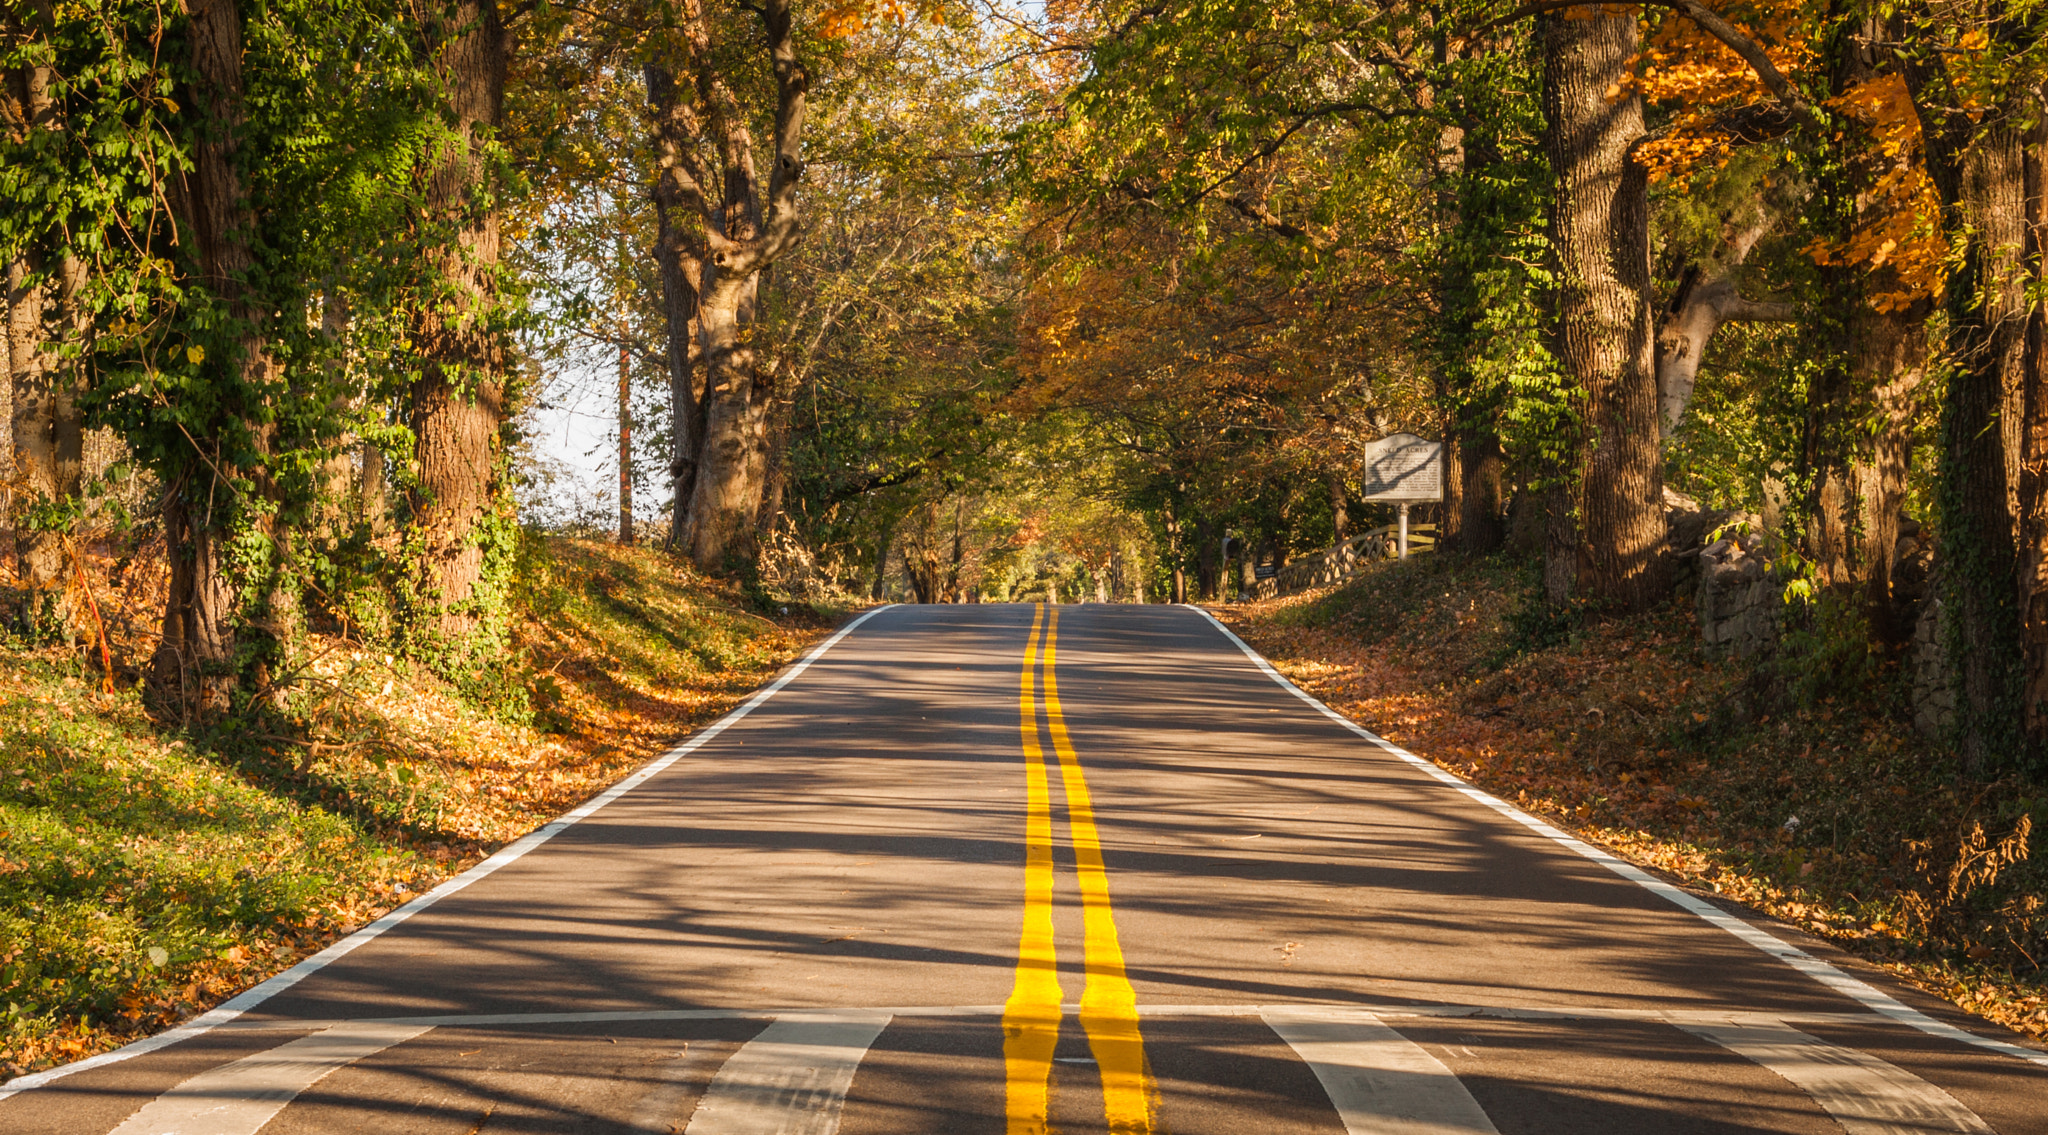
[[1404, 468]]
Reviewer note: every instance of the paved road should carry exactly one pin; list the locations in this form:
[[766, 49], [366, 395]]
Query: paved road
[[1005, 869]]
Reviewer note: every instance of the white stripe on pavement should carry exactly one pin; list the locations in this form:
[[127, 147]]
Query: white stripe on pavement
[[1869, 996], [239, 1098], [1381, 1082], [249, 999], [1501, 1012], [1867, 1096], [659, 1111], [791, 1079]]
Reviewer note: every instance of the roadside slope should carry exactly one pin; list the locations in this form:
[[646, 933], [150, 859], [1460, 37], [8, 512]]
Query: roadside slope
[[145, 876], [1780, 785]]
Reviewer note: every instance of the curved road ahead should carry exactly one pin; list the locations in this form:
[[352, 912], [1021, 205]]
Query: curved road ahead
[[1013, 868]]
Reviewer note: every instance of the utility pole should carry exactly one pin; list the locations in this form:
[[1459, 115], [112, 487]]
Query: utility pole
[[625, 439]]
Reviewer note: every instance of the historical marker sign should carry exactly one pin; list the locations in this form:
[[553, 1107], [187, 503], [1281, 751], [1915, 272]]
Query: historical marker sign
[[1404, 467]]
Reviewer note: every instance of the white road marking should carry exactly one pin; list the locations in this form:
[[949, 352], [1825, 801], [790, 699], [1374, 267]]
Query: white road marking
[[790, 1080], [239, 1098], [1869, 996], [249, 999], [657, 1112], [1867, 1096], [1497, 1012], [1381, 1082]]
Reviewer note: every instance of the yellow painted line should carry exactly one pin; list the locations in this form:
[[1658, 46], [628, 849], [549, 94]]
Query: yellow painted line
[[1031, 1018], [1109, 1006]]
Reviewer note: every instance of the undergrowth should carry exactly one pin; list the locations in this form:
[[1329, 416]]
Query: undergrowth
[[1796, 785], [145, 876]]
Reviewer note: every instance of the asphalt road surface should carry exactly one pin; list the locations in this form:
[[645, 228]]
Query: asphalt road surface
[[1018, 869]]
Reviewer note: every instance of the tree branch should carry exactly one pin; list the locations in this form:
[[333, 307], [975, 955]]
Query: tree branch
[[1709, 21]]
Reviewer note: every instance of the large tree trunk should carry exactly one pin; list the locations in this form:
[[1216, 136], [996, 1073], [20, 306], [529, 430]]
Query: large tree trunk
[[47, 425], [733, 457], [1600, 229], [195, 669], [738, 229], [458, 403], [682, 278], [2033, 463], [1979, 171], [1859, 479]]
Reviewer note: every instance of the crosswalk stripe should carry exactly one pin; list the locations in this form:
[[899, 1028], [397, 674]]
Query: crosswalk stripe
[[657, 1112], [239, 1098], [1381, 1082], [790, 1080], [1866, 1095]]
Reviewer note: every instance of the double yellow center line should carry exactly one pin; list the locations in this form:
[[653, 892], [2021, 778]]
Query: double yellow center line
[[1109, 1007]]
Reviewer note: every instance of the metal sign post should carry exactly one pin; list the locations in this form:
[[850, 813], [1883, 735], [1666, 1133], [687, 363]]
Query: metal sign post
[[1401, 470]]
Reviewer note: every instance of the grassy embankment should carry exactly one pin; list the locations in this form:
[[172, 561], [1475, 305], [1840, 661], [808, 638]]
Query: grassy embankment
[[1629, 732], [145, 876]]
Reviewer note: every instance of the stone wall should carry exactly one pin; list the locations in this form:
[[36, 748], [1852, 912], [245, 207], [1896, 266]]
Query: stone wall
[[1738, 596], [1934, 699]]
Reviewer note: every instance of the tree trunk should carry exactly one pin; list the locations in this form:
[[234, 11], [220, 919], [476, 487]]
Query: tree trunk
[[775, 463], [882, 545], [1450, 530], [194, 671], [1600, 229], [1701, 305], [682, 278], [458, 403], [625, 441], [1560, 545], [1340, 515], [2033, 463], [1855, 525], [1208, 560], [733, 457], [738, 230], [47, 425], [1984, 189], [1482, 524]]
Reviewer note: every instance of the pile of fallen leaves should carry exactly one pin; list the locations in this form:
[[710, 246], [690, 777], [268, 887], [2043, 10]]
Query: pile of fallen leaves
[[146, 876], [1827, 812]]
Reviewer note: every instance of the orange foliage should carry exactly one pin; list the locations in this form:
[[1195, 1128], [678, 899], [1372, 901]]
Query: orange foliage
[[1894, 235]]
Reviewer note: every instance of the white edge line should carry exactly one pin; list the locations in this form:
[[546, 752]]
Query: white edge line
[[1072, 1009], [1869, 996], [250, 998]]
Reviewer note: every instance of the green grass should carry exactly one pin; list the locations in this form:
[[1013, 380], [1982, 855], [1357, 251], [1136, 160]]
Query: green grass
[[146, 876]]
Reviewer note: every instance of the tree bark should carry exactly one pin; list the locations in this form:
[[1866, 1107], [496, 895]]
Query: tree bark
[[736, 228], [682, 279], [1979, 170], [194, 671], [1706, 299], [1208, 560], [458, 403], [44, 313], [625, 442], [2033, 462], [1340, 515], [1481, 473], [1600, 229]]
